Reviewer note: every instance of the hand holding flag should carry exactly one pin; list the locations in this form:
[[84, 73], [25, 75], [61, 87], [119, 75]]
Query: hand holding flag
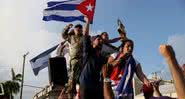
[[70, 25]]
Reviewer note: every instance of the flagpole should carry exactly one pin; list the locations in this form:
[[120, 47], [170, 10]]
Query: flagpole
[[22, 81]]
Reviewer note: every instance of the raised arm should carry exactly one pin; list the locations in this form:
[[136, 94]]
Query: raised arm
[[114, 62], [113, 40], [169, 55], [86, 48], [141, 75], [86, 27], [66, 30]]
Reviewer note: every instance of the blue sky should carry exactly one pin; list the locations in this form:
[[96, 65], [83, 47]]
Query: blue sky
[[148, 22]]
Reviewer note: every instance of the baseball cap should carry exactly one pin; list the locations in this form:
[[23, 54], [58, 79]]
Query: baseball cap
[[79, 26]]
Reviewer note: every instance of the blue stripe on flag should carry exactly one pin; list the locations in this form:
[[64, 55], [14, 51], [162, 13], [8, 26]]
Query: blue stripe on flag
[[62, 18], [122, 81], [43, 65], [41, 61], [126, 79], [52, 3], [63, 7]]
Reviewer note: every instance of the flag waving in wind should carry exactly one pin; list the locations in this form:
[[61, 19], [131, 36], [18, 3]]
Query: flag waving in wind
[[42, 60], [70, 10]]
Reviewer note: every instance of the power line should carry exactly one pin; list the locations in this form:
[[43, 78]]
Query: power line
[[32, 86]]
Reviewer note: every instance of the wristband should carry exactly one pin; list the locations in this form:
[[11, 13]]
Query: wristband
[[106, 80]]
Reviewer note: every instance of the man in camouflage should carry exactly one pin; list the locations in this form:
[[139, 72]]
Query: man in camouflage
[[74, 38]]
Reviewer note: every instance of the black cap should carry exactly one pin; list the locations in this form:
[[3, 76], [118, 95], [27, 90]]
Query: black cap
[[94, 37], [78, 26]]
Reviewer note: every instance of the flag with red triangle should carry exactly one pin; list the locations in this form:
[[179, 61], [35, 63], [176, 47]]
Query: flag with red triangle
[[71, 10]]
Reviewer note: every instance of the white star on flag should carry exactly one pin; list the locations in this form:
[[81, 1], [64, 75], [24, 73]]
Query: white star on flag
[[89, 7]]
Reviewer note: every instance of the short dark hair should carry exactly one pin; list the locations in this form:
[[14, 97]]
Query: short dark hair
[[94, 37], [79, 26], [103, 33]]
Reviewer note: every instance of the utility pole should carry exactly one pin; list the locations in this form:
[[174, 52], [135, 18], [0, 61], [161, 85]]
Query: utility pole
[[24, 58]]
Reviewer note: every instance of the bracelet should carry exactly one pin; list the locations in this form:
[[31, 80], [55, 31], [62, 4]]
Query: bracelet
[[106, 80]]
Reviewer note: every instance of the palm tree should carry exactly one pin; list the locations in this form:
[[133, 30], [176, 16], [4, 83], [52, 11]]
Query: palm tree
[[12, 86], [16, 77]]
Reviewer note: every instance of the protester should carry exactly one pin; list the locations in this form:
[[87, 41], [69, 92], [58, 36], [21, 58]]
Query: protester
[[91, 86], [177, 74], [107, 47], [74, 39], [105, 38], [121, 31], [124, 67]]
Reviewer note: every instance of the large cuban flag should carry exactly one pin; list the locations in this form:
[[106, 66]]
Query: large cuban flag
[[69, 10]]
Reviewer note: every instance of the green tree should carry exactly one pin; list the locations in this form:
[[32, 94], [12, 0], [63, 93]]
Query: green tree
[[12, 86]]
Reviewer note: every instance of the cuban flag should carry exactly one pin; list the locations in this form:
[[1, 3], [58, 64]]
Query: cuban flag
[[41, 61], [70, 10], [125, 87]]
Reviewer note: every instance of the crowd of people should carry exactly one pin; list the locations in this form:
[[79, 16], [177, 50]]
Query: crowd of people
[[109, 76]]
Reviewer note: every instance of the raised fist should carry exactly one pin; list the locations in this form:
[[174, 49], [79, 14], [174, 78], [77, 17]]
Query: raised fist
[[167, 51], [70, 25]]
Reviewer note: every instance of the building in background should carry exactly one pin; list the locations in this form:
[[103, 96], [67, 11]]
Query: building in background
[[166, 87]]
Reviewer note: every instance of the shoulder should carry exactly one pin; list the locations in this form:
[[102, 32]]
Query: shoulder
[[137, 62]]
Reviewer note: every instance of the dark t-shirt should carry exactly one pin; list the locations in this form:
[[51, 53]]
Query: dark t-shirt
[[90, 75]]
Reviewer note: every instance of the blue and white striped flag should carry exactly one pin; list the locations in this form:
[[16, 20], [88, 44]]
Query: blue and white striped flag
[[69, 10], [42, 60]]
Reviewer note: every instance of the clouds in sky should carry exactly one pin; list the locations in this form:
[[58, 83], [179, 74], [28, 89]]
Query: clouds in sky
[[178, 43], [22, 30]]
